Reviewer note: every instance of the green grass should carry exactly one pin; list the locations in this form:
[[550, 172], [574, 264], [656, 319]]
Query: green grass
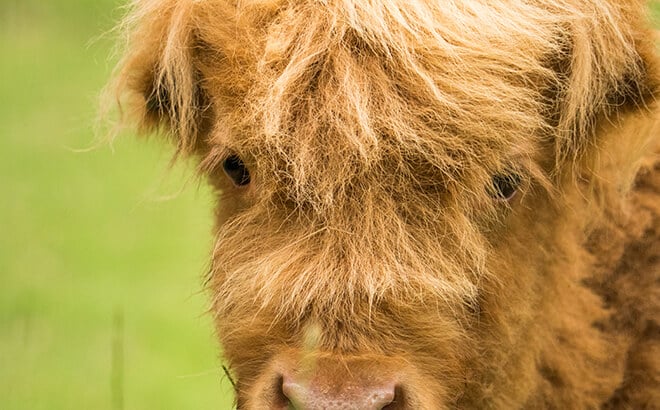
[[86, 237]]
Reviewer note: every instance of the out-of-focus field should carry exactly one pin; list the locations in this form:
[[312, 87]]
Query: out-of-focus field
[[102, 252]]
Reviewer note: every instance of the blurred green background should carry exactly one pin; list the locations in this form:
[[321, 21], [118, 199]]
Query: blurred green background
[[102, 251]]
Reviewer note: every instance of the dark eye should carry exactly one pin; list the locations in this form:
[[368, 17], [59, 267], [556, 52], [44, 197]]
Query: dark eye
[[236, 170], [505, 186]]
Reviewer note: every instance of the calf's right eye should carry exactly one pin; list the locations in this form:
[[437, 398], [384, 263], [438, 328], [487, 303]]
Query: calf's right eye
[[236, 170], [505, 186]]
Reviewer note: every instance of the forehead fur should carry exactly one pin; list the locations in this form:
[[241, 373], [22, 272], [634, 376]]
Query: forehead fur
[[320, 89]]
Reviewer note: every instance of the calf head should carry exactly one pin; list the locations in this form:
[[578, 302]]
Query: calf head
[[402, 187]]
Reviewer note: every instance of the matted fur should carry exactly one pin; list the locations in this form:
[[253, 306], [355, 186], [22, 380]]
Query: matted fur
[[372, 131]]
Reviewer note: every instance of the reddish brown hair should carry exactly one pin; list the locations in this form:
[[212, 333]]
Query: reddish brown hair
[[377, 135]]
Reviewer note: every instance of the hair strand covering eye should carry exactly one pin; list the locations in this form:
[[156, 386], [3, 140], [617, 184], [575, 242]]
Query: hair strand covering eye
[[505, 186]]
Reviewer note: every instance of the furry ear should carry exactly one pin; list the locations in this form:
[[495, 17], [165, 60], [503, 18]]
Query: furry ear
[[604, 71], [156, 83]]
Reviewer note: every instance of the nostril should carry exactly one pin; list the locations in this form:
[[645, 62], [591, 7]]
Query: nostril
[[282, 400], [398, 400]]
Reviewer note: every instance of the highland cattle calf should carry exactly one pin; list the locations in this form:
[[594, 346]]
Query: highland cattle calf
[[421, 204]]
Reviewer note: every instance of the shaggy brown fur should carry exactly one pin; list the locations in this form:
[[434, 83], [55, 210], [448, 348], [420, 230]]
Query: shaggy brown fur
[[376, 240]]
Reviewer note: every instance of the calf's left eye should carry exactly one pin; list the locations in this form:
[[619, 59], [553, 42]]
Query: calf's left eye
[[236, 170]]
